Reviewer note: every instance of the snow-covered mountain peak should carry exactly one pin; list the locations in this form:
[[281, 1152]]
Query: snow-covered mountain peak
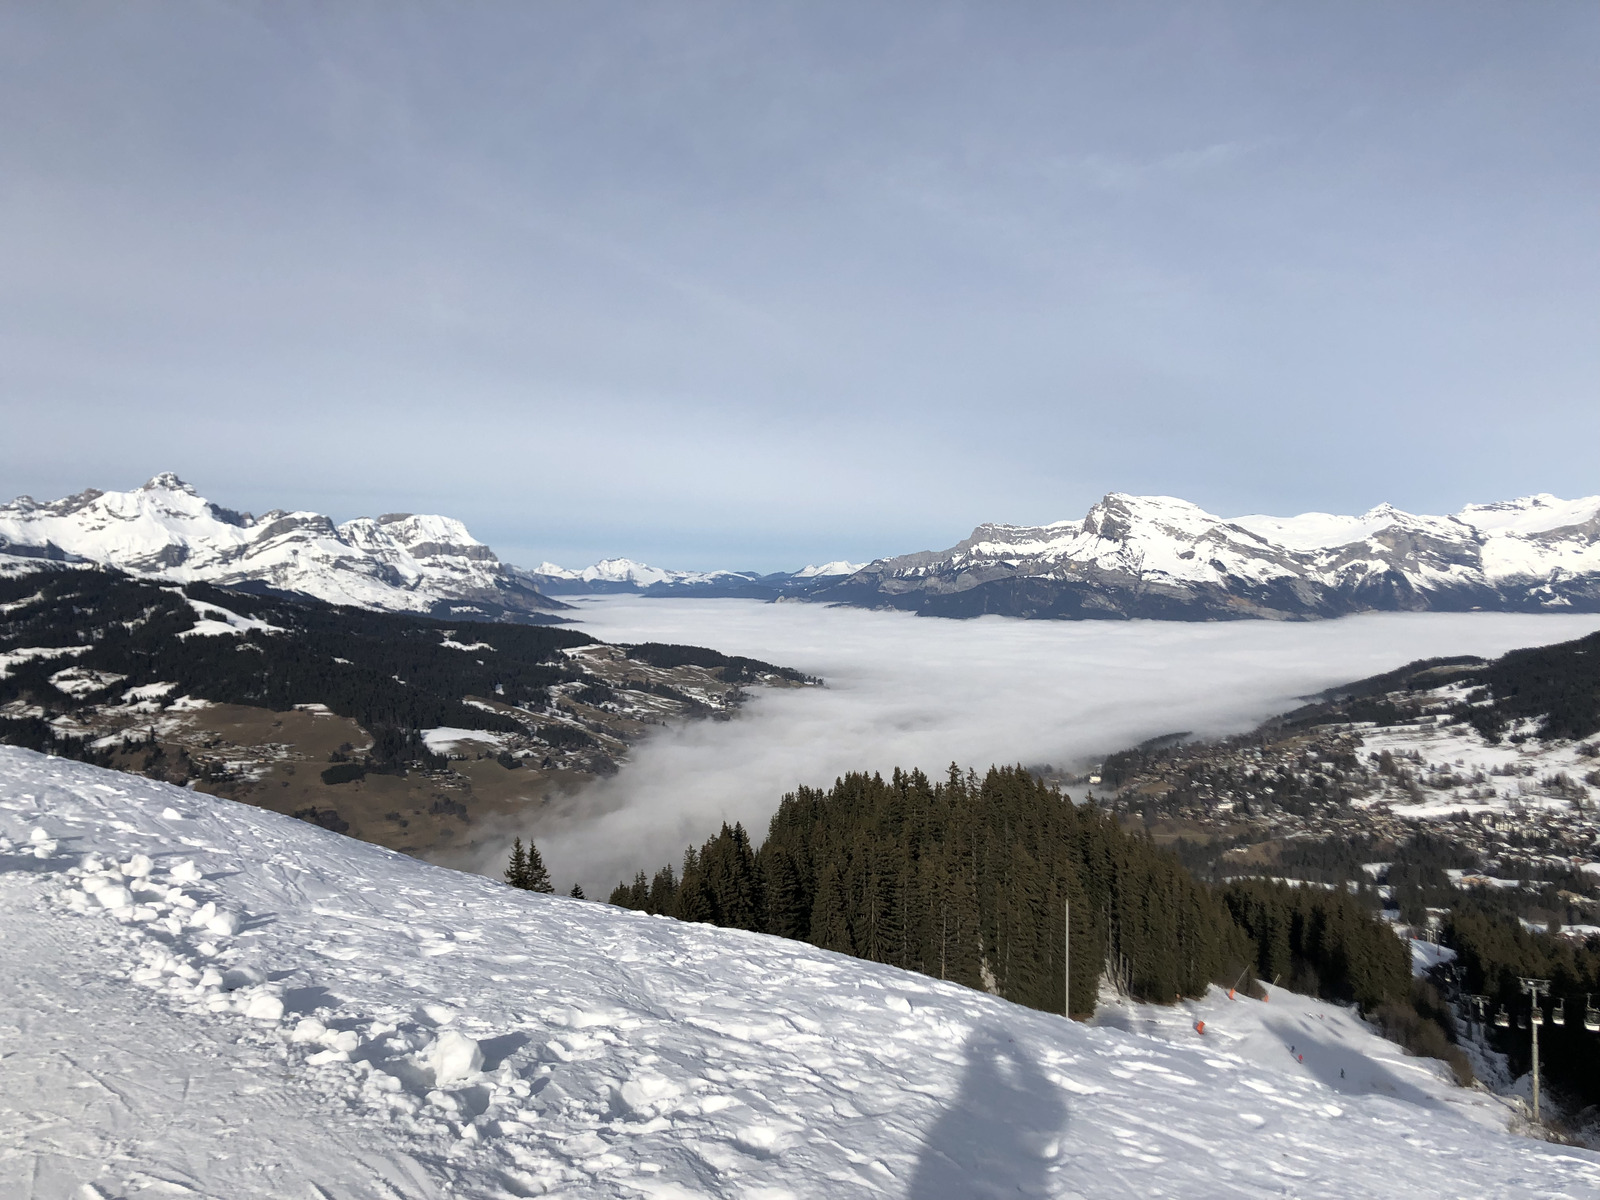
[[1164, 556], [167, 481], [826, 570], [165, 529], [1538, 513], [1120, 516], [625, 573]]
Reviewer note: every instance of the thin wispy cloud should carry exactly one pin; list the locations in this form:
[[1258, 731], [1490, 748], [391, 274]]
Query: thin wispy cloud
[[880, 272], [1113, 172]]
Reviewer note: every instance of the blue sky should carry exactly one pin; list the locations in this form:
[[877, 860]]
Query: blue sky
[[754, 285]]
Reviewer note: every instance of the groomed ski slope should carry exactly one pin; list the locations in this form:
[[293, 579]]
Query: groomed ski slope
[[253, 1007]]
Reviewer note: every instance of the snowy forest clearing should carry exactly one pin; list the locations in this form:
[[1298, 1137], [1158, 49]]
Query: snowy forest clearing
[[204, 998]]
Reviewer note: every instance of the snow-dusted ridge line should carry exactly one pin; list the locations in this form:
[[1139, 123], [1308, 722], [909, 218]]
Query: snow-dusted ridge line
[[630, 574], [282, 1012], [166, 530], [1159, 556], [1130, 556]]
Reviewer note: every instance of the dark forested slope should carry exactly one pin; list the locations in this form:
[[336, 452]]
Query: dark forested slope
[[969, 879]]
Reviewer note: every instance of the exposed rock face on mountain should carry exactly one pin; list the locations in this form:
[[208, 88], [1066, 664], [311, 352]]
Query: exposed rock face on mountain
[[1155, 556], [165, 530]]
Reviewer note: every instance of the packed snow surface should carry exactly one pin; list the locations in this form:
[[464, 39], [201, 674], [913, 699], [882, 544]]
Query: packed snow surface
[[203, 998]]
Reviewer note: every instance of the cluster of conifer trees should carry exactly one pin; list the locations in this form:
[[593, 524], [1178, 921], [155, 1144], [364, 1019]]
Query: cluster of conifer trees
[[1556, 685], [965, 879], [970, 879], [1321, 942], [526, 870]]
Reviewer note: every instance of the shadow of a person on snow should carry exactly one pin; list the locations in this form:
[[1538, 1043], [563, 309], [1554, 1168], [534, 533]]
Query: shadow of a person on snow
[[1001, 1134]]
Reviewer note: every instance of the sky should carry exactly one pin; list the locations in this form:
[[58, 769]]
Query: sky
[[750, 286], [909, 692]]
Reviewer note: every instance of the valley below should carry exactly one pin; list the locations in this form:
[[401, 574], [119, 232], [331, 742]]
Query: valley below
[[1057, 697]]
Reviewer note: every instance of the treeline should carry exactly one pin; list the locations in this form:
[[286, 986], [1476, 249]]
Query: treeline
[[968, 879], [1320, 941], [1558, 685]]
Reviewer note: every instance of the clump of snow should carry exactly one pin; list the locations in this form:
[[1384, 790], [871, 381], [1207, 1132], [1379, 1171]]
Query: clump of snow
[[452, 1057], [319, 1048]]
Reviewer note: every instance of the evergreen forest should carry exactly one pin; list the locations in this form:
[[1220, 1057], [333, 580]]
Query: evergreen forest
[[971, 879]]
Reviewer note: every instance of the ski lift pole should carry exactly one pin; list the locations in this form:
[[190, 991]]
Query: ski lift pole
[[1536, 989]]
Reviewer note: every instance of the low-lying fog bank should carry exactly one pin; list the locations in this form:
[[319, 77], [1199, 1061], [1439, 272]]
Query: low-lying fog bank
[[909, 691]]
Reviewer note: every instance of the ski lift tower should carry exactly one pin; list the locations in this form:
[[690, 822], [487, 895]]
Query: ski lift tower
[[1536, 990]]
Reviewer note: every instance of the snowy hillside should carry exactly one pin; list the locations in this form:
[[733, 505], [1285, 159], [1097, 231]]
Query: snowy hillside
[[1156, 556], [165, 530], [205, 998]]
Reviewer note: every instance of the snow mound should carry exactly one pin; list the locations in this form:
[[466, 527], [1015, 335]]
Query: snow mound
[[206, 998]]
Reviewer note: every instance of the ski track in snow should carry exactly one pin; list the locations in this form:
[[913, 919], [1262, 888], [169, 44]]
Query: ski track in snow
[[206, 999]]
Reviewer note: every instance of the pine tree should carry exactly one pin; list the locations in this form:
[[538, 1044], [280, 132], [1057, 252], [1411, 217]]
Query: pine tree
[[538, 879], [830, 927], [662, 896], [577, 892], [517, 869]]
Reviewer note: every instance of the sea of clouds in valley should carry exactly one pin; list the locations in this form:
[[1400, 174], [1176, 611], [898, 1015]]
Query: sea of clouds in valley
[[918, 692]]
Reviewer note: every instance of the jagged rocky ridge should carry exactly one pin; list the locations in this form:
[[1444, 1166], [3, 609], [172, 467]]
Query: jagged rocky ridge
[[165, 530], [1164, 558]]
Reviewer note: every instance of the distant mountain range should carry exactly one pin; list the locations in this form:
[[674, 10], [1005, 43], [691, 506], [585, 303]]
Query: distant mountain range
[[613, 575], [1155, 556], [165, 530], [1130, 556]]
